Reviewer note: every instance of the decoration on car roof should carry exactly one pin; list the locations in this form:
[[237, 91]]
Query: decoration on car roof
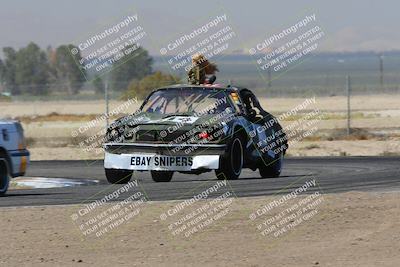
[[235, 97]]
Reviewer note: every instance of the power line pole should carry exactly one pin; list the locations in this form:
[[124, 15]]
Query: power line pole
[[381, 71], [106, 99], [348, 89]]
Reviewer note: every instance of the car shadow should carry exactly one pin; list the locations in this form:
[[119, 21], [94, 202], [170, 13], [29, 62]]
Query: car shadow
[[275, 178], [30, 194], [241, 179]]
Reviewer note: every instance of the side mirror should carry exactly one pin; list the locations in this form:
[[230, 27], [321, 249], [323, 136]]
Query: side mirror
[[251, 113]]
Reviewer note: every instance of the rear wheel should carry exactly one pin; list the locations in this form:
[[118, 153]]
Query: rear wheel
[[232, 162], [4, 176], [162, 176], [273, 169], [115, 176]]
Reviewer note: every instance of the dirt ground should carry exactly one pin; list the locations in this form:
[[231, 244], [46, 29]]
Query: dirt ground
[[348, 229]]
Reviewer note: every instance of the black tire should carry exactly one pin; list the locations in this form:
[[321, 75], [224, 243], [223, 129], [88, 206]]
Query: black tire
[[273, 169], [115, 176], [4, 176], [232, 162], [162, 176]]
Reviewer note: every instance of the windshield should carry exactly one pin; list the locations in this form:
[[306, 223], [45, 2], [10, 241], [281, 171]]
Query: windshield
[[200, 101]]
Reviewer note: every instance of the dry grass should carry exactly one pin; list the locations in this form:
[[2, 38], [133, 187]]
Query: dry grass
[[56, 117], [335, 116], [312, 146]]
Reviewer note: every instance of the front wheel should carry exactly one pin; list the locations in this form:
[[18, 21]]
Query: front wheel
[[4, 176], [115, 176], [273, 169], [162, 176], [232, 162]]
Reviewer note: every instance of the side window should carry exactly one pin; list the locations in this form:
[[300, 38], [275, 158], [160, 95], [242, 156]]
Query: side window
[[254, 106], [247, 101], [6, 136]]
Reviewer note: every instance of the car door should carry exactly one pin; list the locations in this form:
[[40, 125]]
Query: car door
[[262, 132]]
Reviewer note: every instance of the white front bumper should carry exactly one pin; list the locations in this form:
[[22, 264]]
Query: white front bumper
[[129, 162]]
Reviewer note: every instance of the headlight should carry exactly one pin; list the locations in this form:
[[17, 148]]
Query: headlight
[[123, 133], [130, 134], [114, 133], [111, 135]]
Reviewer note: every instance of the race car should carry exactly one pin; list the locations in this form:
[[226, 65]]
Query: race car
[[195, 129]]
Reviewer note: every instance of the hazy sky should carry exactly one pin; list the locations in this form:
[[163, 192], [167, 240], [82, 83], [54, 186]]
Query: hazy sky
[[348, 25]]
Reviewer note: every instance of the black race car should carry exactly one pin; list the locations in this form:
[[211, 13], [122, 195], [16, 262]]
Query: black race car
[[195, 129]]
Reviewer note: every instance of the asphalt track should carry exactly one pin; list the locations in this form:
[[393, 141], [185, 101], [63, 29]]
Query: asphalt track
[[332, 174]]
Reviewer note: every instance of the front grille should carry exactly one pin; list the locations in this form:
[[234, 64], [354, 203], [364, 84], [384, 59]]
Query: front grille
[[147, 136], [175, 137], [156, 136]]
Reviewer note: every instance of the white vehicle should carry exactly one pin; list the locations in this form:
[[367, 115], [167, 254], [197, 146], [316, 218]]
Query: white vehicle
[[14, 157]]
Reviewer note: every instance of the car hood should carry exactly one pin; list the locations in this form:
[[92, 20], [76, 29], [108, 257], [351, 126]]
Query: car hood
[[179, 119]]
